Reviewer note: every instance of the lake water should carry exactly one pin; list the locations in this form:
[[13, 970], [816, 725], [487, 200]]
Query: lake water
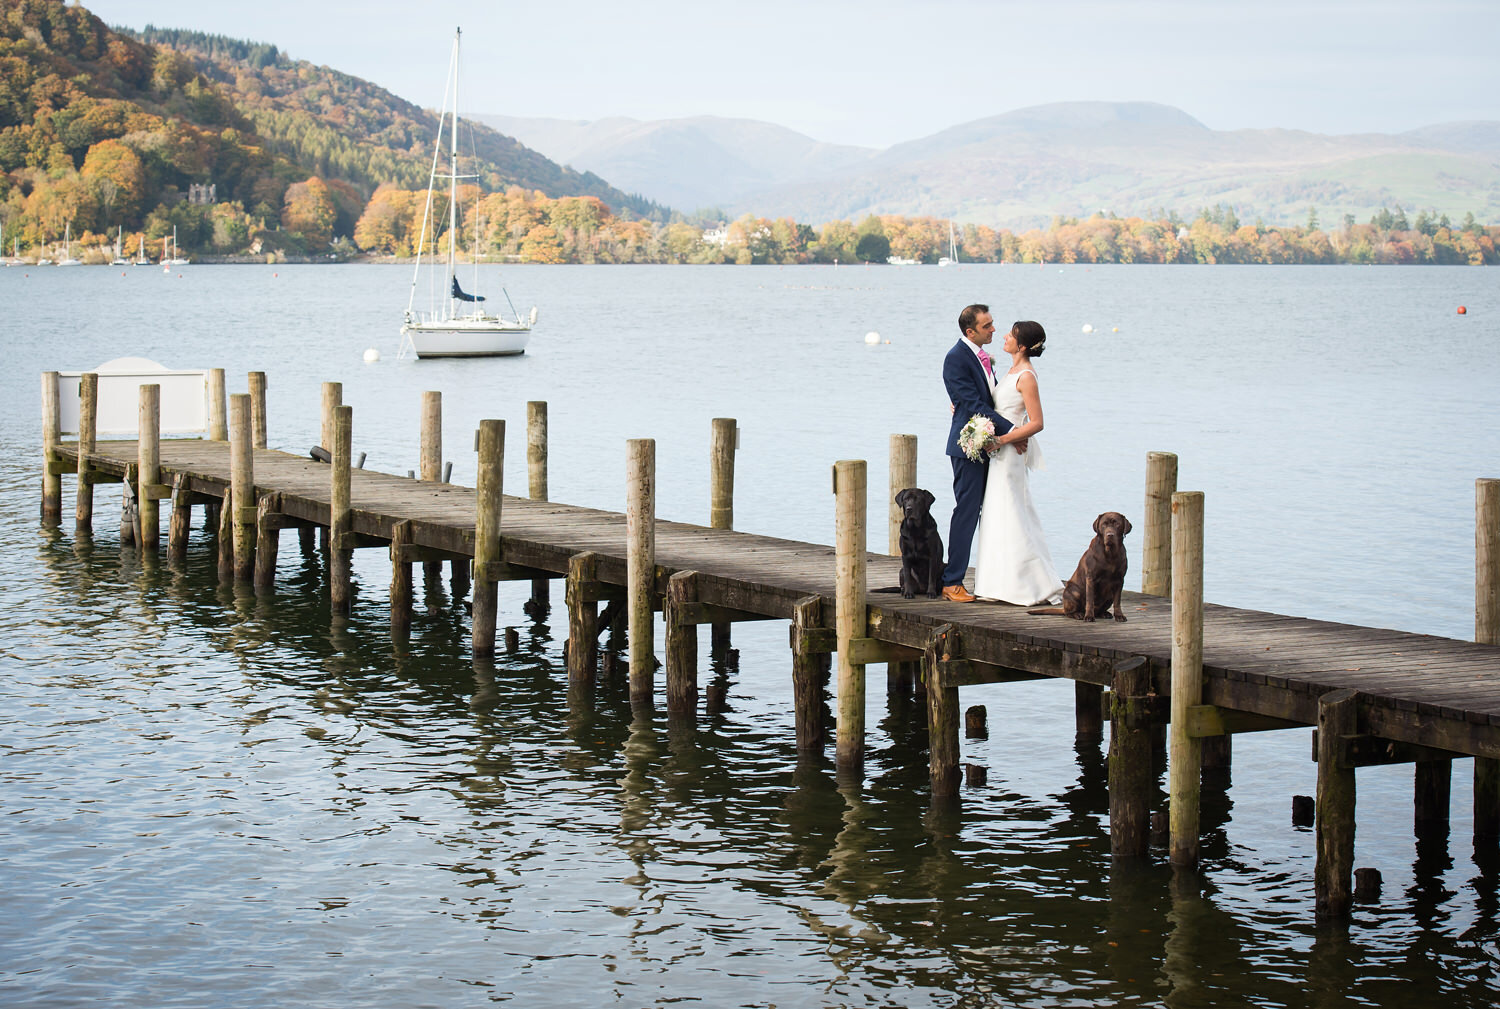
[[216, 799]]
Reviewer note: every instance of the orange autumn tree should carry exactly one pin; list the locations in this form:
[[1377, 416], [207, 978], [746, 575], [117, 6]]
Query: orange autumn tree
[[308, 209]]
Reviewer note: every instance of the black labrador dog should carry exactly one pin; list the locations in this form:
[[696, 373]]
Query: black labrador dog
[[921, 545]]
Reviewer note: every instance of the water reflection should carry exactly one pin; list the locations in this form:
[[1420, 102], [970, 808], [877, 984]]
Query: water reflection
[[578, 821]]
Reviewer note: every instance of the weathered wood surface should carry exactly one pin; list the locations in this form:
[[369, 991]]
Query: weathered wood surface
[[1414, 688]]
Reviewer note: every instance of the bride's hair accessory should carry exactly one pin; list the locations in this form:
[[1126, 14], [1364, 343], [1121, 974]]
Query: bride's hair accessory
[[1031, 336]]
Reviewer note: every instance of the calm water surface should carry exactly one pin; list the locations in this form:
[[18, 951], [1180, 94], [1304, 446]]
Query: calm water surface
[[210, 798]]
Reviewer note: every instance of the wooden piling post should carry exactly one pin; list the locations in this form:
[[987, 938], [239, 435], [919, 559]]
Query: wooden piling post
[[242, 486], [850, 489], [130, 517], [257, 383], [682, 643], [181, 523], [267, 540], [401, 537], [51, 437], [536, 481], [1185, 767], [148, 460], [1088, 712], [88, 423], [1338, 717], [807, 676], [640, 565], [1156, 551], [583, 620], [489, 497], [1432, 785], [225, 534], [1487, 632], [942, 713], [430, 464], [341, 511], [1131, 778], [724, 443]]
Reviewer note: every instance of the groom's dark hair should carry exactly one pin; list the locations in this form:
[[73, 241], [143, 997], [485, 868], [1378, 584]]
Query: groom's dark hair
[[969, 316]]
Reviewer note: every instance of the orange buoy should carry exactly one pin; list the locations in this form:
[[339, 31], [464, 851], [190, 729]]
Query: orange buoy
[[1462, 310]]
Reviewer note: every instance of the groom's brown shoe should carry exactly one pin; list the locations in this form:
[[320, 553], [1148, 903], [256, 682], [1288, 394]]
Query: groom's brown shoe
[[957, 594]]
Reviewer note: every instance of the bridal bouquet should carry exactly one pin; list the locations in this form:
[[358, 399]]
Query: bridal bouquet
[[972, 439]]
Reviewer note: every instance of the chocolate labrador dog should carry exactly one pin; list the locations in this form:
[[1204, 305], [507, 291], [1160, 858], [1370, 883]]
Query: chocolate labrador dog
[[1099, 579], [921, 545]]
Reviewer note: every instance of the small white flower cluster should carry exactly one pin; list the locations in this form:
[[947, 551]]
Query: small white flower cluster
[[971, 440]]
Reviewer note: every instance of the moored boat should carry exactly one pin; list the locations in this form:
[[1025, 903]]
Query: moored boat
[[455, 325]]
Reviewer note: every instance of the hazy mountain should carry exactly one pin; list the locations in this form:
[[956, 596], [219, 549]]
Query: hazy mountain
[[1024, 167], [690, 163]]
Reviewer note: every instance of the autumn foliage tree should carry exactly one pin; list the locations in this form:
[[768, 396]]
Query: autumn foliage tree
[[309, 210]]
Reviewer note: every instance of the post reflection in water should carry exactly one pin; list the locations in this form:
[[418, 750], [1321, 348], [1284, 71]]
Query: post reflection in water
[[656, 841]]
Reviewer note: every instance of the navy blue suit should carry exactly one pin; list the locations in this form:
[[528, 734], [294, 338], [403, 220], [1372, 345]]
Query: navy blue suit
[[969, 391]]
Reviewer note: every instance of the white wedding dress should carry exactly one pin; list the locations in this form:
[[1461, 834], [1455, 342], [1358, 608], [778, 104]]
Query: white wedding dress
[[1013, 563]]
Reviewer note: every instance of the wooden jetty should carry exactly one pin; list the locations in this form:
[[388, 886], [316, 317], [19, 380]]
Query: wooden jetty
[[1198, 671]]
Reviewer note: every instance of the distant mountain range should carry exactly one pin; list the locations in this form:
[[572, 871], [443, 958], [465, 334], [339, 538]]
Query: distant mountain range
[[1023, 168]]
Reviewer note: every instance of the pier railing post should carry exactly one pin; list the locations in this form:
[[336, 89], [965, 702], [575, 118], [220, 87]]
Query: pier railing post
[[341, 510], [51, 437], [850, 489], [257, 383], [1185, 769], [489, 499], [583, 621], [640, 565], [682, 643], [88, 425], [1487, 632], [218, 411], [1338, 717], [1131, 779], [903, 474], [430, 464], [242, 486], [148, 468], [333, 398], [536, 482], [1156, 551], [725, 442]]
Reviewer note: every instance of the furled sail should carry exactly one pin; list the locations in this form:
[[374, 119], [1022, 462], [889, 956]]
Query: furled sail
[[458, 292]]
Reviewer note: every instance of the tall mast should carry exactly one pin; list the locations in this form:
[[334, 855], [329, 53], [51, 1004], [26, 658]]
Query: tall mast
[[453, 182]]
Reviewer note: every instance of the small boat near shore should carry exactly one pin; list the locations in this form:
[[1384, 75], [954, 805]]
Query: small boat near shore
[[68, 259], [455, 325]]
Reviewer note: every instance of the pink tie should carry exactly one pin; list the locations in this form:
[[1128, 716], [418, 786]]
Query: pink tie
[[984, 359]]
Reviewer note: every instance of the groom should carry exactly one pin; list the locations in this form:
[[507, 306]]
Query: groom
[[969, 377]]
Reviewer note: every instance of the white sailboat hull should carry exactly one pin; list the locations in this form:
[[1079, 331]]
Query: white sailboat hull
[[485, 336]]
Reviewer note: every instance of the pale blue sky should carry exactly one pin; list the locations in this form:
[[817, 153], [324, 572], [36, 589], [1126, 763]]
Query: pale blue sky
[[876, 72]]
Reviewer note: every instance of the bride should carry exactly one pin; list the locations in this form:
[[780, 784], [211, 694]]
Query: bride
[[1013, 563]]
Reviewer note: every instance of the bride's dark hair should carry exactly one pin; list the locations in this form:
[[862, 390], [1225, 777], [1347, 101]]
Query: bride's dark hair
[[1031, 336]]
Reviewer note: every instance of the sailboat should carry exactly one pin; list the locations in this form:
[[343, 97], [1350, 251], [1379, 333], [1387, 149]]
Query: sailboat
[[176, 259], [119, 259], [455, 325], [140, 254], [951, 259], [68, 259]]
